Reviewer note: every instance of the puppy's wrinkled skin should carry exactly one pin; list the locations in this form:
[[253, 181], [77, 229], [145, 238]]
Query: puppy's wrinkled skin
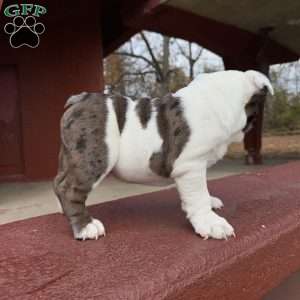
[[155, 141]]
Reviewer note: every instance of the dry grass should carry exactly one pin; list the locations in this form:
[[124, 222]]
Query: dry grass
[[273, 146]]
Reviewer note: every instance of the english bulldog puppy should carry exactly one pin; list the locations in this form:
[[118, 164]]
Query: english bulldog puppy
[[156, 141]]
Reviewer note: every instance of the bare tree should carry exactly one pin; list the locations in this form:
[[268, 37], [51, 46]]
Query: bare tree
[[154, 65], [113, 67], [190, 55], [165, 65], [157, 64]]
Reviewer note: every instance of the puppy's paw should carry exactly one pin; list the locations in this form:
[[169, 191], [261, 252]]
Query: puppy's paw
[[91, 231], [216, 203], [210, 225]]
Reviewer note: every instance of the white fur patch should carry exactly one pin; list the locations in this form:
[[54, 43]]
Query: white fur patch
[[210, 225], [198, 204], [137, 144], [216, 203], [112, 140], [259, 80], [91, 231]]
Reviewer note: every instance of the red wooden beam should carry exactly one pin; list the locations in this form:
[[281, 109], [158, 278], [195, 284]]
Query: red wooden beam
[[137, 9], [118, 17], [223, 39], [118, 40]]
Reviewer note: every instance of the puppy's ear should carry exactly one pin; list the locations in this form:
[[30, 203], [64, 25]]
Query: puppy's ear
[[260, 81]]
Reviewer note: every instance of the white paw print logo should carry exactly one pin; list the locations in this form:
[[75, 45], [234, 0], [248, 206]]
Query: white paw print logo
[[24, 31]]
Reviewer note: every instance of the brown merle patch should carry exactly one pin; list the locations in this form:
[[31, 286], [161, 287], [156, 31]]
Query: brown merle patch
[[120, 105], [85, 137], [143, 110], [174, 132], [83, 156]]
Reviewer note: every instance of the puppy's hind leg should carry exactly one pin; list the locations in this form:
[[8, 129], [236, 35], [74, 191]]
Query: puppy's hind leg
[[86, 157], [72, 185]]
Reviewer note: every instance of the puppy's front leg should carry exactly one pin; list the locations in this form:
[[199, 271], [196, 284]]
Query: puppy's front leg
[[196, 202]]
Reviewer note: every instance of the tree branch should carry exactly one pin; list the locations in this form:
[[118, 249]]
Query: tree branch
[[131, 46], [181, 49], [154, 60], [137, 73], [149, 62], [199, 54]]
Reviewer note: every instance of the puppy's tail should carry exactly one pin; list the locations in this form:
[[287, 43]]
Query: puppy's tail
[[260, 81], [75, 99]]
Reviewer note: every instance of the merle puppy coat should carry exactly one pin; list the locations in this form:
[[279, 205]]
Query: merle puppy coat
[[156, 141]]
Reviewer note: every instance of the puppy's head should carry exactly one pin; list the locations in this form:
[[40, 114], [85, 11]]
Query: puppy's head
[[259, 82]]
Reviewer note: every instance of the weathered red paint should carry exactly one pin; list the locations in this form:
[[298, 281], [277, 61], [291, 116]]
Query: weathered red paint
[[67, 61], [289, 289], [151, 251], [11, 154]]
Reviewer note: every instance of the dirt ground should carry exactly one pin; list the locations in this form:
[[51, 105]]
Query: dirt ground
[[273, 146]]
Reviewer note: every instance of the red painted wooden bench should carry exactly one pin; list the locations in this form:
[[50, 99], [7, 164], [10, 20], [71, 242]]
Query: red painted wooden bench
[[151, 252]]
